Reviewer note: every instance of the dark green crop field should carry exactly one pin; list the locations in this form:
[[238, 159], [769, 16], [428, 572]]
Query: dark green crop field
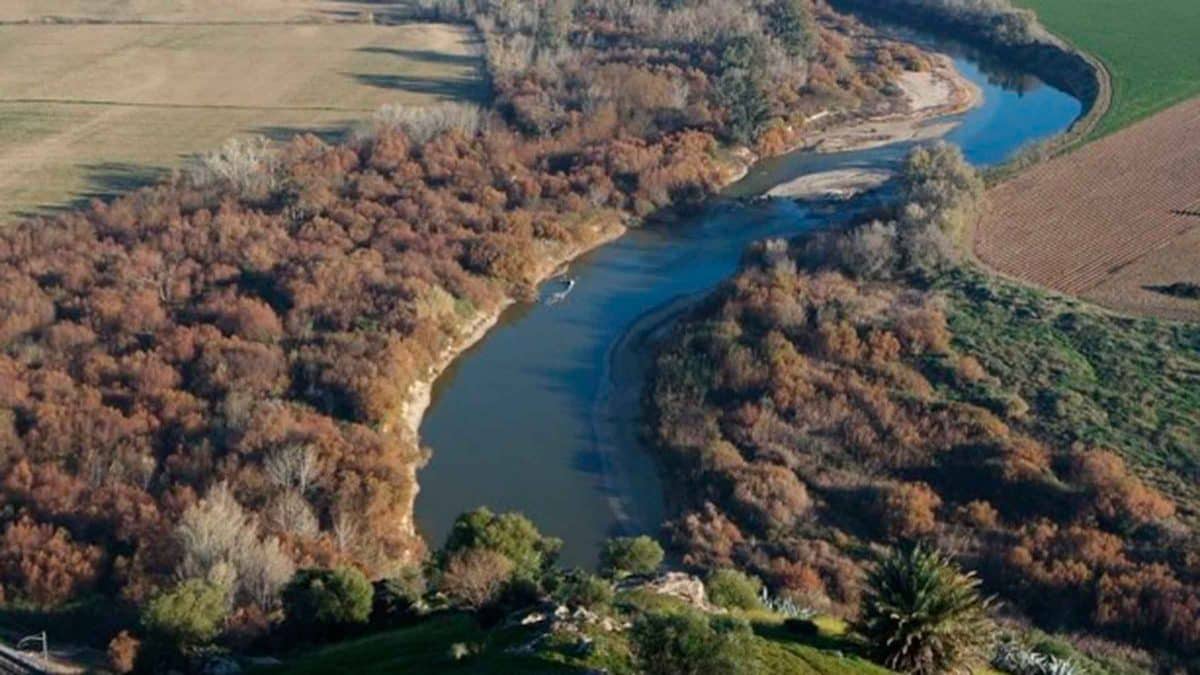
[[1150, 47]]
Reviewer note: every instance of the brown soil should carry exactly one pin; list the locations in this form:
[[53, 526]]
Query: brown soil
[[1111, 222]]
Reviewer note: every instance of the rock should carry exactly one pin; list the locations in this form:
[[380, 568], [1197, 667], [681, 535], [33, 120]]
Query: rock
[[532, 618], [686, 587]]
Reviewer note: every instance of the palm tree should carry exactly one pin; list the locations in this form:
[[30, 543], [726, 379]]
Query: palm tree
[[923, 615]]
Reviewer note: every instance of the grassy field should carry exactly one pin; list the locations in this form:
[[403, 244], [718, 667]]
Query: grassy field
[[426, 648], [1131, 385], [89, 109], [1149, 46]]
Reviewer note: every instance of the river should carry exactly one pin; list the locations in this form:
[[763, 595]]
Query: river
[[542, 416]]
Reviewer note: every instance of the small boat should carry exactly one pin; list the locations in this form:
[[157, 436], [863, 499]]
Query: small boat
[[558, 297]]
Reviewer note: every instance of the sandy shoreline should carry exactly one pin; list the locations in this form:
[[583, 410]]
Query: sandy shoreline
[[839, 184], [933, 96]]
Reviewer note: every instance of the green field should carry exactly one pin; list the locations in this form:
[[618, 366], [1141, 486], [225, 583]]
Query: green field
[[1149, 46], [1130, 385]]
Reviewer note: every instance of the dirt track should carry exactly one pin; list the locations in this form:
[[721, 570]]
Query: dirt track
[[1108, 222]]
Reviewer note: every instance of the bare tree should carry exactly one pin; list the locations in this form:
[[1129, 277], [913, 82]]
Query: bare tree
[[424, 123], [345, 528], [249, 164], [293, 466], [220, 542], [474, 576], [291, 513]]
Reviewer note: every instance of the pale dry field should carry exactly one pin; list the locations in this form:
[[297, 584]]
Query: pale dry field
[[1109, 222], [90, 109]]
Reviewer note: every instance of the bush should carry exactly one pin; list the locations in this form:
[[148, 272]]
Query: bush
[[921, 614], [190, 614], [318, 600], [690, 642], [398, 597], [630, 555], [586, 590], [511, 535], [733, 590], [474, 577]]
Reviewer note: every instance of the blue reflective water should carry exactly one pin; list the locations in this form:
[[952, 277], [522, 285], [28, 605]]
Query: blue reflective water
[[541, 416]]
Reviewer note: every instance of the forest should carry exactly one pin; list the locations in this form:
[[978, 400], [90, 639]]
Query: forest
[[202, 379], [821, 405]]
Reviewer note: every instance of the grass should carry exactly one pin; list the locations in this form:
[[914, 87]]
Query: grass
[[1131, 385], [1148, 46], [426, 647], [95, 109]]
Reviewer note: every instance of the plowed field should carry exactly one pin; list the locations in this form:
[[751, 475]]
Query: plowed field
[[1112, 222]]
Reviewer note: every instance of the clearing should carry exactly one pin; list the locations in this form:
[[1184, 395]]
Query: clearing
[[1114, 222], [109, 95], [1148, 47]]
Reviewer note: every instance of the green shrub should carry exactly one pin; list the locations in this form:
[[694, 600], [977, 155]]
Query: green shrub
[[398, 596], [512, 535], [586, 590], [733, 590], [630, 555], [922, 615], [692, 643], [323, 599], [190, 614]]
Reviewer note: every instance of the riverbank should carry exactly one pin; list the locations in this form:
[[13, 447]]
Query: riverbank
[[932, 98], [420, 393]]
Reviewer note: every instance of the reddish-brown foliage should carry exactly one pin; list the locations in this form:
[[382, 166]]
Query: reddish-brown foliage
[[855, 391]]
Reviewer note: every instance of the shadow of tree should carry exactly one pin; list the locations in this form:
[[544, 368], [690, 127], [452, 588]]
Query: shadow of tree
[[425, 56], [329, 133], [446, 88], [104, 181]]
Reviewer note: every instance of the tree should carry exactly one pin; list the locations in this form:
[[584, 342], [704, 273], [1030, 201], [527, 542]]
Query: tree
[[474, 577], [585, 590], [792, 23], [512, 535], [691, 643], [741, 93], [217, 531], [190, 614], [325, 599], [921, 614], [732, 589], [630, 555], [397, 596]]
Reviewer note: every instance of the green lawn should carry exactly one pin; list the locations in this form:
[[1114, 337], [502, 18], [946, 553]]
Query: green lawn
[[1152, 48]]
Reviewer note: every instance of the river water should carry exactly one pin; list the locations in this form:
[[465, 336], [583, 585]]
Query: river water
[[542, 415]]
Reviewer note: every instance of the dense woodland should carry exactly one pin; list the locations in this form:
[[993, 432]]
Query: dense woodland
[[819, 405], [202, 379]]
